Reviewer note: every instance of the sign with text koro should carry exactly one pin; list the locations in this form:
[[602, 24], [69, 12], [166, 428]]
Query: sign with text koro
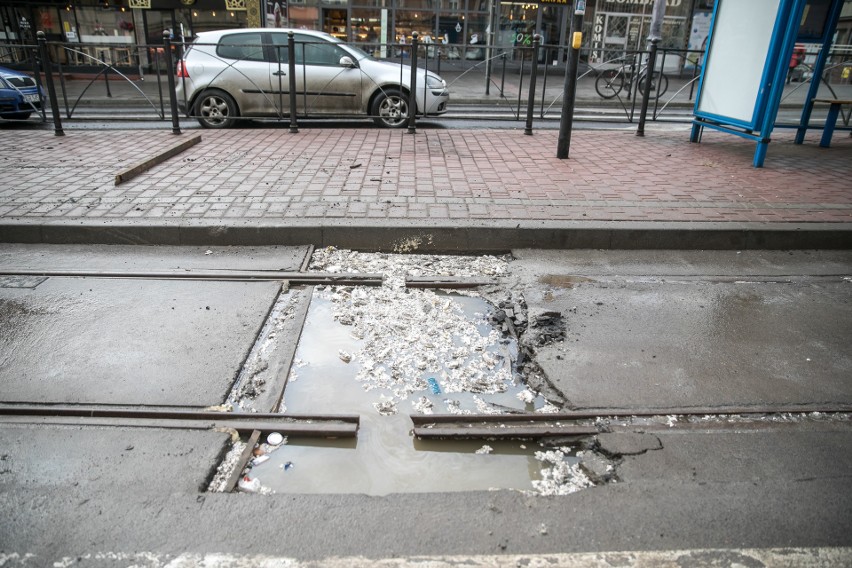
[[745, 68]]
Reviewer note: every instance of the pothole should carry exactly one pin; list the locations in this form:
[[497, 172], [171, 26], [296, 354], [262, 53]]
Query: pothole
[[398, 358], [384, 353]]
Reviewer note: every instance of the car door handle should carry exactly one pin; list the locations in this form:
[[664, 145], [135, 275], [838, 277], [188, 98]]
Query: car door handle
[[279, 73]]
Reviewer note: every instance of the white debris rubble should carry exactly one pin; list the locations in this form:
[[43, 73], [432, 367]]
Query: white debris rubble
[[548, 408], [386, 406], [396, 267], [409, 334], [561, 478], [484, 450], [422, 405], [527, 396]]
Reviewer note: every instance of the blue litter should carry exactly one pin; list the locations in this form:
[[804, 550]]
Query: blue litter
[[433, 385]]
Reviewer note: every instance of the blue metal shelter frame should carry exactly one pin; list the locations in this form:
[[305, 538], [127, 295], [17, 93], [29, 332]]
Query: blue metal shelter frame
[[785, 32], [828, 30]]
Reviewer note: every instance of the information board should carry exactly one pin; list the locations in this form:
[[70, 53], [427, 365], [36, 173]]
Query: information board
[[734, 80]]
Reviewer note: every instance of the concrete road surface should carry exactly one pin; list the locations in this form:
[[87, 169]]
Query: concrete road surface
[[690, 329]]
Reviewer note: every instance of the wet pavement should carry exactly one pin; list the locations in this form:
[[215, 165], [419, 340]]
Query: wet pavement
[[695, 329], [714, 483], [455, 190]]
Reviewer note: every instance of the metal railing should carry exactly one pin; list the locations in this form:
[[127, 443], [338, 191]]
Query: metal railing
[[525, 83]]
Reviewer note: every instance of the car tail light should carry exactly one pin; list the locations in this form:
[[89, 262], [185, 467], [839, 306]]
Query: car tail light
[[181, 70]]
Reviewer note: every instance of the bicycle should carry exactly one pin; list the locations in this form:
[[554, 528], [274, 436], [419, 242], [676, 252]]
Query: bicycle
[[611, 82]]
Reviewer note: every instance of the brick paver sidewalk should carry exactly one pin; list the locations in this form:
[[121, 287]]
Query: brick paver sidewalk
[[368, 174]]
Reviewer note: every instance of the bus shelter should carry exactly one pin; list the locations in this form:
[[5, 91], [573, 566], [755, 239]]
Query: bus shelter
[[747, 62]]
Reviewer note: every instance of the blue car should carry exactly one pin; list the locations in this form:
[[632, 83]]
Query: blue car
[[19, 95]]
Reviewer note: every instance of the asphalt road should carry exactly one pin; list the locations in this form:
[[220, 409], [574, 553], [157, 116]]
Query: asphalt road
[[663, 330]]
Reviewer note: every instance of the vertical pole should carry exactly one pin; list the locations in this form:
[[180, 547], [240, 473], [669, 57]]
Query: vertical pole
[[170, 75], [521, 80], [64, 91], [35, 56], [280, 74], [291, 69], [544, 81], [776, 90], [106, 73], [569, 94], [503, 76], [489, 41], [531, 98], [412, 92], [646, 91], [51, 88]]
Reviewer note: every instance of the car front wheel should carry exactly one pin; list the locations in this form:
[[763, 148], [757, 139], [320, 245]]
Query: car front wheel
[[390, 109], [216, 109]]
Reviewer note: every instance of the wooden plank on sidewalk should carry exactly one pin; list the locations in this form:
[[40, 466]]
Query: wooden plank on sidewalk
[[159, 158]]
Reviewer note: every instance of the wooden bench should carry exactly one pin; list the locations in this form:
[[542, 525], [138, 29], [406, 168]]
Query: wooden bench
[[831, 119]]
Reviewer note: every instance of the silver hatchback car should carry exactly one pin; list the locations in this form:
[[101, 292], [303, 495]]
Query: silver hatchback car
[[228, 74]]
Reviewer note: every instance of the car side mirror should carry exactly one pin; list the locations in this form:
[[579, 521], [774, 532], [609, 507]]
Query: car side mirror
[[347, 61]]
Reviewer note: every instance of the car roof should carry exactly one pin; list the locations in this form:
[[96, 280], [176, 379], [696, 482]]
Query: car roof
[[216, 34], [6, 72]]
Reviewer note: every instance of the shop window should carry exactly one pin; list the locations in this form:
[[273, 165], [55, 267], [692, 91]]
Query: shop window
[[334, 23], [48, 20], [276, 14], [517, 25], [208, 20], [98, 25], [417, 4], [366, 28], [450, 28], [476, 40], [303, 17], [409, 21]]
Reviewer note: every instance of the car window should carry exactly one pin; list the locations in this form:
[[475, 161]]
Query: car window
[[319, 51], [247, 46], [279, 46], [309, 49]]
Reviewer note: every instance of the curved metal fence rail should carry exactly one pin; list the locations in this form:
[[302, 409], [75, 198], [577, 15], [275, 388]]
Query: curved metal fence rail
[[493, 82]]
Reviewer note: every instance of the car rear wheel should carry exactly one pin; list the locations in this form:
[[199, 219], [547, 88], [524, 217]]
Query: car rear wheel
[[390, 109], [216, 109]]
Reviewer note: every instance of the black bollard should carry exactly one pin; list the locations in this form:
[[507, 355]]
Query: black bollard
[[170, 73], [646, 92], [531, 99], [291, 69], [566, 121], [106, 73], [412, 94], [51, 89]]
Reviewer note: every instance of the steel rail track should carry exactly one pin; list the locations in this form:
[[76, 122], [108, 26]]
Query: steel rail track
[[306, 278]]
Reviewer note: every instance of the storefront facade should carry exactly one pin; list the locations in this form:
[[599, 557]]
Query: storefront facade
[[117, 29]]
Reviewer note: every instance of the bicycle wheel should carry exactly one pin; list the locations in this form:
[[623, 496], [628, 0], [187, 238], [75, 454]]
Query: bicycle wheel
[[609, 83], [659, 84]]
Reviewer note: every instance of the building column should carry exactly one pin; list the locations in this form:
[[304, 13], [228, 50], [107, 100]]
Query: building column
[[253, 13]]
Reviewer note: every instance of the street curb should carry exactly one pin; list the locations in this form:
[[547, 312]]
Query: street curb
[[437, 236]]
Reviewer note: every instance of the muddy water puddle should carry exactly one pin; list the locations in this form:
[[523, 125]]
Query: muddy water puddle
[[342, 366]]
